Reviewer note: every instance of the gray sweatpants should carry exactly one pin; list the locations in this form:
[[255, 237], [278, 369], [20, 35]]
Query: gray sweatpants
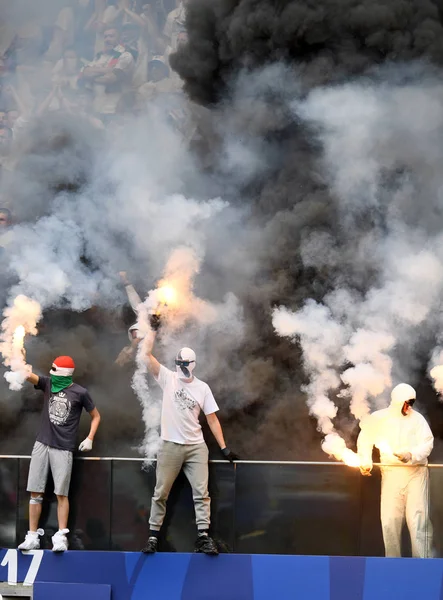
[[194, 460]]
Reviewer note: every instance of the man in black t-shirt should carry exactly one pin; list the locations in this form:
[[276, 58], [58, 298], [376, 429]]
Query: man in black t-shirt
[[56, 441]]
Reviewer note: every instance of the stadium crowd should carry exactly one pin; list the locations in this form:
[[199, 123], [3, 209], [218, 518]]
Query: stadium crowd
[[99, 60]]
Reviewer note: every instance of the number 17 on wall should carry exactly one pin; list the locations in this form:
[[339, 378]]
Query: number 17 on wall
[[10, 560]]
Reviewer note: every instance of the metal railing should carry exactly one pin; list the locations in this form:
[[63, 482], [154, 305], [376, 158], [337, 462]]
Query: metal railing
[[323, 463]]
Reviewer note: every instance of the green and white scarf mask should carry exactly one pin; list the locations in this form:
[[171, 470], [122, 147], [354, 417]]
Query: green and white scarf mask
[[59, 383]]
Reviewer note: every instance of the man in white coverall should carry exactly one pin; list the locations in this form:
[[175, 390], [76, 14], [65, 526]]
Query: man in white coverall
[[404, 438]]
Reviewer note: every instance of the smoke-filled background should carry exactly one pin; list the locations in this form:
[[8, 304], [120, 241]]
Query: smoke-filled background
[[298, 158]]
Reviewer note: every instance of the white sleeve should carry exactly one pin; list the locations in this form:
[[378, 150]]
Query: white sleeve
[[133, 297], [163, 376], [424, 448], [209, 403], [125, 62]]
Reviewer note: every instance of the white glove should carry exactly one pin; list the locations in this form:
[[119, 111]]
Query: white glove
[[86, 445]]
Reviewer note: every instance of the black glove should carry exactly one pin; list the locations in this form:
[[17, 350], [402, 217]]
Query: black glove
[[229, 455], [155, 322]]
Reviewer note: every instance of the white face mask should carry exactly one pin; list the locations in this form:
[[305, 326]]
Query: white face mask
[[185, 371]]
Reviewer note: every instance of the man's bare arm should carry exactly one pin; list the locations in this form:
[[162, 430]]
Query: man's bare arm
[[107, 78], [95, 422], [215, 427], [32, 378]]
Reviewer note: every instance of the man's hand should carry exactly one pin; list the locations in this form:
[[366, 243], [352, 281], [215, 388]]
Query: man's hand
[[228, 454], [124, 277], [86, 445], [365, 470], [125, 356], [405, 457], [155, 322]]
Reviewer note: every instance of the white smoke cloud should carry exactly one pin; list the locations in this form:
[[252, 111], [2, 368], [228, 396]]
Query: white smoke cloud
[[363, 343], [131, 213]]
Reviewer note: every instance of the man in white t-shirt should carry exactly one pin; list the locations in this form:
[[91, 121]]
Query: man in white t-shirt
[[109, 75], [182, 444]]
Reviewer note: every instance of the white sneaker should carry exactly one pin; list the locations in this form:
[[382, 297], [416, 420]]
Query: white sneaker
[[60, 541], [32, 540]]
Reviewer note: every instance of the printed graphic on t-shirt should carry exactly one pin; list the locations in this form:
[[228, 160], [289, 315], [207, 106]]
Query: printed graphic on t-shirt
[[183, 400], [59, 408]]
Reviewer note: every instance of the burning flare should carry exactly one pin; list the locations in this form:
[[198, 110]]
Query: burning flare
[[335, 446], [167, 295], [19, 319], [18, 337]]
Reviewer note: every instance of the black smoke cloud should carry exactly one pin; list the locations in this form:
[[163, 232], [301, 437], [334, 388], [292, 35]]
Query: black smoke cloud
[[327, 41]]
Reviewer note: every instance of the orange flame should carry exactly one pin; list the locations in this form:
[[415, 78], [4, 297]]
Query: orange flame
[[167, 295], [19, 335], [350, 458]]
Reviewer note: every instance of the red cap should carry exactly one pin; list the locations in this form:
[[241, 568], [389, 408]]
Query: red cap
[[63, 366]]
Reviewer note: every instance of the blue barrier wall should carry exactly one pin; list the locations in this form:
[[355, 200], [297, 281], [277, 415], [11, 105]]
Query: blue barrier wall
[[176, 576]]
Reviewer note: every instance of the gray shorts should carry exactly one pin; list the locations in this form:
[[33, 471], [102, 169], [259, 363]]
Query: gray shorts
[[44, 457]]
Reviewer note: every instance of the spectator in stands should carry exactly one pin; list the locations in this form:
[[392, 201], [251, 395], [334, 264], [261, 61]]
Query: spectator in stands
[[130, 39], [158, 70], [182, 39], [63, 32], [106, 14], [67, 70], [79, 103], [109, 75], [159, 81], [150, 41], [175, 23], [56, 441], [17, 117], [182, 443]]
